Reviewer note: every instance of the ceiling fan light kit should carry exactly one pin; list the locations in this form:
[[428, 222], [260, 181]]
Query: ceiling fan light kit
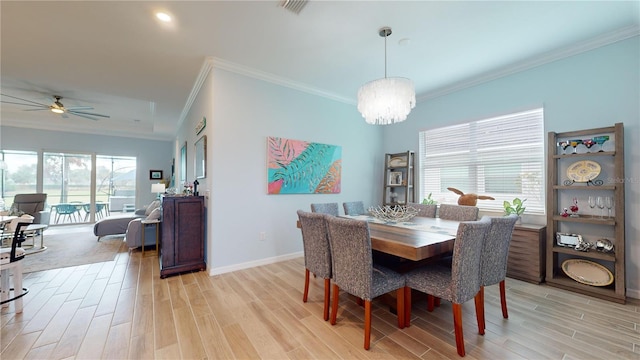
[[388, 100]]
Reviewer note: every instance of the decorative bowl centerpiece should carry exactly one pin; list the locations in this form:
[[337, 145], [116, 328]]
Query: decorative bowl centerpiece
[[393, 213]]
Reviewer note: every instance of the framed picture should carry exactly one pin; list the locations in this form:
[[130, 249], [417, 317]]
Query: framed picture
[[201, 157], [395, 178], [155, 174], [183, 164]]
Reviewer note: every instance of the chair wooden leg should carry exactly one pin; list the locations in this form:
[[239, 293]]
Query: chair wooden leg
[[436, 301], [503, 299], [306, 285], [359, 301], [479, 301], [367, 324], [327, 295], [430, 302], [407, 306], [400, 307], [334, 305], [457, 325]]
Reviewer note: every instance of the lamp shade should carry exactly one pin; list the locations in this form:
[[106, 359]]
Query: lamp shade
[[386, 101], [157, 188]]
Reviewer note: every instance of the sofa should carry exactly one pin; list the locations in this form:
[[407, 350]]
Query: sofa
[[116, 225], [133, 235]]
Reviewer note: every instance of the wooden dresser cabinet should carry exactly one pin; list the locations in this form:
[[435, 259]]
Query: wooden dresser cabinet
[[527, 253], [182, 241]]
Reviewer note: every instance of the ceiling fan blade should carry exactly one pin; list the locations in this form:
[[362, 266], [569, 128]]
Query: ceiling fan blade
[[15, 103], [47, 108], [83, 113], [75, 108], [17, 98]]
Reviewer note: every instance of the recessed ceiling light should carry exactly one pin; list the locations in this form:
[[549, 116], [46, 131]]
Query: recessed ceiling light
[[162, 16]]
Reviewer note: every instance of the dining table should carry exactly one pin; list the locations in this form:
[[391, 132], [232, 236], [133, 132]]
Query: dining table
[[417, 239]]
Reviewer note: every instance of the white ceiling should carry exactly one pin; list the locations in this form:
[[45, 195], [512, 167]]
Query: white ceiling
[[115, 57]]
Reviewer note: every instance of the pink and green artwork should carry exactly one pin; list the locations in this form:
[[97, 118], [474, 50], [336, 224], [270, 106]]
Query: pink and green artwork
[[302, 167]]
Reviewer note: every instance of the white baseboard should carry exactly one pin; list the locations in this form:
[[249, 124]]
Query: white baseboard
[[250, 264], [633, 293]]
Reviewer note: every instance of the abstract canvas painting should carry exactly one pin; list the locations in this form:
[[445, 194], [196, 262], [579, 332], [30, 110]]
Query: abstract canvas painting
[[302, 167]]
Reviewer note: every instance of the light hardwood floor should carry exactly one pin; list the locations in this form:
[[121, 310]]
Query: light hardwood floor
[[122, 309]]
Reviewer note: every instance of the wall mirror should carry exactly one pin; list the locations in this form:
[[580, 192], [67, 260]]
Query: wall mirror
[[183, 164], [201, 157]]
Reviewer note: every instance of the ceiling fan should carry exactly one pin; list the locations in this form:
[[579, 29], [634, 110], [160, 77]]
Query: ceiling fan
[[57, 107]]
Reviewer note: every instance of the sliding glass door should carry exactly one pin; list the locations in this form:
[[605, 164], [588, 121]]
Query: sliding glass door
[[67, 181]]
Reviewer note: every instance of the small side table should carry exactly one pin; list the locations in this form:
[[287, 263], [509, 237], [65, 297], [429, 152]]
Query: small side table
[[144, 226]]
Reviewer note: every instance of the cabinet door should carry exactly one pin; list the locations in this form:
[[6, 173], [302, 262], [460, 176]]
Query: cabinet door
[[189, 230]]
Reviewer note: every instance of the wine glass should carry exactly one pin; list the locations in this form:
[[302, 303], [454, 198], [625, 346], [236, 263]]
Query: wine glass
[[592, 202], [574, 144], [600, 205], [608, 202], [564, 145], [600, 140], [588, 143]]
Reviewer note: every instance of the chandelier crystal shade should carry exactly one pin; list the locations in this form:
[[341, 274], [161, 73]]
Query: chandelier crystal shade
[[388, 100]]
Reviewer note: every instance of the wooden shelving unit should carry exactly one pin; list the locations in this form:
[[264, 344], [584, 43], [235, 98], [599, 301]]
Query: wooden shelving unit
[[590, 223], [399, 179]]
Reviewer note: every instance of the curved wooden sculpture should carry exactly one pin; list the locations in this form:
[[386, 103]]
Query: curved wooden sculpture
[[469, 199]]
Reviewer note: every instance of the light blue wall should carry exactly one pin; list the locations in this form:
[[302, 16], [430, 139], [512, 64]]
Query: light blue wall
[[150, 154], [245, 112], [590, 90]]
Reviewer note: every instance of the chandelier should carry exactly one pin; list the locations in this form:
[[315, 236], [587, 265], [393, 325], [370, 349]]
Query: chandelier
[[388, 100]]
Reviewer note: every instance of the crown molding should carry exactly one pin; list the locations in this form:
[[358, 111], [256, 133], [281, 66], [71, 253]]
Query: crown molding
[[202, 76], [278, 80], [551, 56]]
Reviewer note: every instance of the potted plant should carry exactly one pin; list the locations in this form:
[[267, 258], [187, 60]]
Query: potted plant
[[515, 207], [429, 201]]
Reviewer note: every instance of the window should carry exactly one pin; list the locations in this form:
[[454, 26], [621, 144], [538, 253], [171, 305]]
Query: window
[[18, 176], [502, 157]]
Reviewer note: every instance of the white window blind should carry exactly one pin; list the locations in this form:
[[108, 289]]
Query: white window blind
[[502, 157]]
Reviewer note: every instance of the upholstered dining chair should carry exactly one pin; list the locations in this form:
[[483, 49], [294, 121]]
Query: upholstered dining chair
[[317, 254], [326, 208], [495, 252], [458, 212], [353, 208], [353, 270], [11, 261], [425, 210], [458, 283]]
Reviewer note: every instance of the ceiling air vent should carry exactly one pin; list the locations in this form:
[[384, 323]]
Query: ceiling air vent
[[295, 6]]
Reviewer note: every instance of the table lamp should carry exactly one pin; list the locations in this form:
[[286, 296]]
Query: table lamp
[[157, 188]]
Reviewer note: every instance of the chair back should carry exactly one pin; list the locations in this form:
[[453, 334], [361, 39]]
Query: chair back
[[317, 254], [326, 208], [425, 210], [467, 253], [351, 255], [353, 208], [458, 212], [16, 252], [12, 225], [30, 204], [495, 251], [66, 209]]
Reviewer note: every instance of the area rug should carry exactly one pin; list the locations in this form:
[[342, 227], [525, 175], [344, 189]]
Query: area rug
[[72, 246]]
